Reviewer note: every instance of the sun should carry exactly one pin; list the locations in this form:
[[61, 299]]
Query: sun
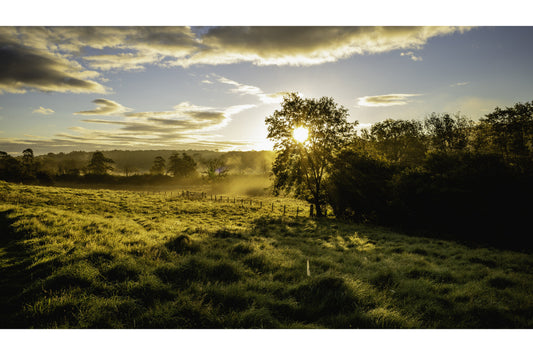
[[300, 134]]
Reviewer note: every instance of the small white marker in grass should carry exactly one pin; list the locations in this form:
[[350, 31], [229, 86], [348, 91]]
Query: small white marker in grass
[[308, 270]]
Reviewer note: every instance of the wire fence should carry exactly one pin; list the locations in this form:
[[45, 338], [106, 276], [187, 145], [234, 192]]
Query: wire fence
[[272, 207]]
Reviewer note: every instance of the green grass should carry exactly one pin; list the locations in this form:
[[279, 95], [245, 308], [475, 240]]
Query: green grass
[[115, 259]]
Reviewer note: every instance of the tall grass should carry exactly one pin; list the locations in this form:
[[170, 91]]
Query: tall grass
[[108, 259]]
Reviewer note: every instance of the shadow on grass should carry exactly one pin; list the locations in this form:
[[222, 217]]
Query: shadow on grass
[[14, 275]]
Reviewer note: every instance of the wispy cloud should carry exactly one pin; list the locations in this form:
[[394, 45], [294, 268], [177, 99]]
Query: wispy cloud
[[460, 84], [105, 107], [385, 100], [243, 89], [186, 126], [43, 111]]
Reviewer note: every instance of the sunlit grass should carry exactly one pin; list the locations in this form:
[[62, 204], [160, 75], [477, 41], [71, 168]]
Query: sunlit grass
[[111, 259]]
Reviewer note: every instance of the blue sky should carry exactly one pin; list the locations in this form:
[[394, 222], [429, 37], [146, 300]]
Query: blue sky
[[88, 88]]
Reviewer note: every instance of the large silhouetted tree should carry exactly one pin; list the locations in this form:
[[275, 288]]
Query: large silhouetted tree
[[303, 166]]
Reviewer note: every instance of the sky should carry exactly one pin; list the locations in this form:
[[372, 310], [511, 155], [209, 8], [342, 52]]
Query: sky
[[65, 88]]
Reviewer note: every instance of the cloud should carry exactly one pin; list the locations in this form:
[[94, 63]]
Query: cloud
[[385, 100], [460, 84], [243, 89], [43, 111], [186, 126], [105, 107], [23, 69], [301, 46], [183, 123], [412, 56], [59, 58]]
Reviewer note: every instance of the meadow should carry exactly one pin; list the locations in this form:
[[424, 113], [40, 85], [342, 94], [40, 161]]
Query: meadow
[[80, 258]]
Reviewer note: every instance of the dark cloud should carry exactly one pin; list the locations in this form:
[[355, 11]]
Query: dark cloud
[[132, 48], [22, 69], [305, 45]]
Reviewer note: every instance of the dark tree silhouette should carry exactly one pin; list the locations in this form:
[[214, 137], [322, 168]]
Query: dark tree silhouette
[[400, 141], [29, 166], [99, 164], [447, 133], [10, 168], [158, 168], [181, 167], [509, 131], [303, 167]]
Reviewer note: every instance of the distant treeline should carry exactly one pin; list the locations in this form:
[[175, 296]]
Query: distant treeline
[[151, 167], [445, 175]]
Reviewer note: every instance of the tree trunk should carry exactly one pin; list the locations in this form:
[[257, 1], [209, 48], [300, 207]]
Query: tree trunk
[[318, 208]]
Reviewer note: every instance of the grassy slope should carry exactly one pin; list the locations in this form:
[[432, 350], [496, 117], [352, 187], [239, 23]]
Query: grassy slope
[[99, 258]]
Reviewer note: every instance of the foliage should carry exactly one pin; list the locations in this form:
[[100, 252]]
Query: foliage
[[509, 132], [181, 166], [99, 164], [446, 176], [215, 169], [400, 141], [447, 134], [158, 168], [359, 186], [304, 167]]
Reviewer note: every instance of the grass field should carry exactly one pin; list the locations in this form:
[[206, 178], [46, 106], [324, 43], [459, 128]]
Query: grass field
[[115, 259]]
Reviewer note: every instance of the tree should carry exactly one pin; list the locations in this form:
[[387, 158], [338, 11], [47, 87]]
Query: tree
[[447, 133], [158, 168], [181, 167], [358, 187], [215, 168], [29, 166], [509, 131], [10, 168], [303, 166], [99, 164], [400, 141]]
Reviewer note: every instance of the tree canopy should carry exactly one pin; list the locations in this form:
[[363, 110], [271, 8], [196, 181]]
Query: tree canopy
[[301, 166], [99, 164]]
